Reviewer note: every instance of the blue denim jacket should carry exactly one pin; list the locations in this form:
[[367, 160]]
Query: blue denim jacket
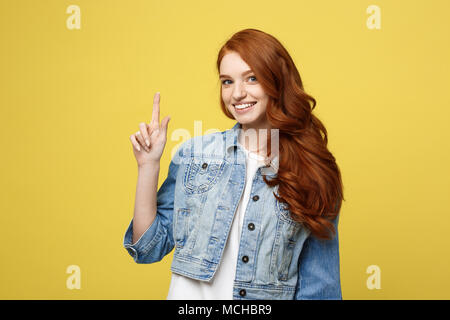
[[195, 208]]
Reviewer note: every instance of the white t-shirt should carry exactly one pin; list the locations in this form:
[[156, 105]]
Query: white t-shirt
[[220, 287]]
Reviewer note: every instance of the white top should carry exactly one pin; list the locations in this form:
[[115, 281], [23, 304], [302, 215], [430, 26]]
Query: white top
[[220, 287]]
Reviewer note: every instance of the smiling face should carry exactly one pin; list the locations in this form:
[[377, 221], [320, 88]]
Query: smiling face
[[242, 94]]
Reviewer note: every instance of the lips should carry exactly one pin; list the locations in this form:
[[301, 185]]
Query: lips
[[247, 104], [245, 110]]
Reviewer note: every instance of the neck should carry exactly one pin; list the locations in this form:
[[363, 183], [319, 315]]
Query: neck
[[266, 125], [255, 138]]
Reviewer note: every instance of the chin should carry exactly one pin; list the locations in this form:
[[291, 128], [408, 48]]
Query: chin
[[243, 120], [249, 123]]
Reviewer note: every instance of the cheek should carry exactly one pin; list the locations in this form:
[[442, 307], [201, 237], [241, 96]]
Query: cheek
[[266, 102], [226, 97], [227, 102], [263, 104], [260, 96], [262, 109]]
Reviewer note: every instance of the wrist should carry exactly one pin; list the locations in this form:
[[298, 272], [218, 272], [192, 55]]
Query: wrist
[[149, 165]]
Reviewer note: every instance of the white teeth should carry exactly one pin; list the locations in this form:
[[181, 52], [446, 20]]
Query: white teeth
[[243, 106]]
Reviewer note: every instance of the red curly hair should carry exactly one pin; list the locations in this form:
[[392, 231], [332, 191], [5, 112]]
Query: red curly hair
[[309, 180]]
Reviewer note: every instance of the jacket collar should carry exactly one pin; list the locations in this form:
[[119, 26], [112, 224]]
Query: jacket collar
[[232, 144]]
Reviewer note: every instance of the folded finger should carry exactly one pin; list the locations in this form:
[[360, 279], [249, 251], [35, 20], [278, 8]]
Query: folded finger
[[135, 143], [144, 133], [141, 141]]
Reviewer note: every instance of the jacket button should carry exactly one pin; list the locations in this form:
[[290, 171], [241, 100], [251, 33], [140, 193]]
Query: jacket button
[[251, 226], [204, 165], [242, 293], [245, 259], [255, 198]]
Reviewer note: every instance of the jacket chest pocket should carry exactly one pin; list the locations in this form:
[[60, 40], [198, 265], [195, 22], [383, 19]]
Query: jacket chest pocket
[[202, 174]]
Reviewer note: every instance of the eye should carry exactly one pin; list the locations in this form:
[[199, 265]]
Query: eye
[[224, 81]]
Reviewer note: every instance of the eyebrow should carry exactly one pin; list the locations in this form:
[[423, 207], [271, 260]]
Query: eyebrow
[[243, 73]]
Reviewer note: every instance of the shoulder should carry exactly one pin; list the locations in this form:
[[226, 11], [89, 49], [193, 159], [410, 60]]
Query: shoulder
[[207, 145]]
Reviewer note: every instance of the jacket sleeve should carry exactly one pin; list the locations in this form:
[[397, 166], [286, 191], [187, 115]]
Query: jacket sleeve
[[157, 241], [319, 270]]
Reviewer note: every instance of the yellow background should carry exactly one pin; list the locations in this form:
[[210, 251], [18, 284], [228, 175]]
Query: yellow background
[[70, 99]]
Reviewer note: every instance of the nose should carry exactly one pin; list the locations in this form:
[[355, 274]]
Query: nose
[[239, 92]]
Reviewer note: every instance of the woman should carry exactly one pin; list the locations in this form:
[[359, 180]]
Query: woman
[[251, 211]]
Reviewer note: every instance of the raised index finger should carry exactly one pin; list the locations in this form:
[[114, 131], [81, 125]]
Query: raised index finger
[[155, 112]]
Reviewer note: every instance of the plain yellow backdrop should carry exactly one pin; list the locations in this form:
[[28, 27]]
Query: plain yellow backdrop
[[70, 99]]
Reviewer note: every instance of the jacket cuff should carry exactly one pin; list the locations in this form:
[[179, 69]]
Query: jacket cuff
[[143, 245]]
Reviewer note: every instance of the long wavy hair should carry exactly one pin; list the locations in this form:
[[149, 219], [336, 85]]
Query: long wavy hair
[[309, 180]]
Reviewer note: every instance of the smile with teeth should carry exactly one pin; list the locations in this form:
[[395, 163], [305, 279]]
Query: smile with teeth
[[244, 106]]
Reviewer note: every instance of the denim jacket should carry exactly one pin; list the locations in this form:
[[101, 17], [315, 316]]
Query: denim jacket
[[278, 258]]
